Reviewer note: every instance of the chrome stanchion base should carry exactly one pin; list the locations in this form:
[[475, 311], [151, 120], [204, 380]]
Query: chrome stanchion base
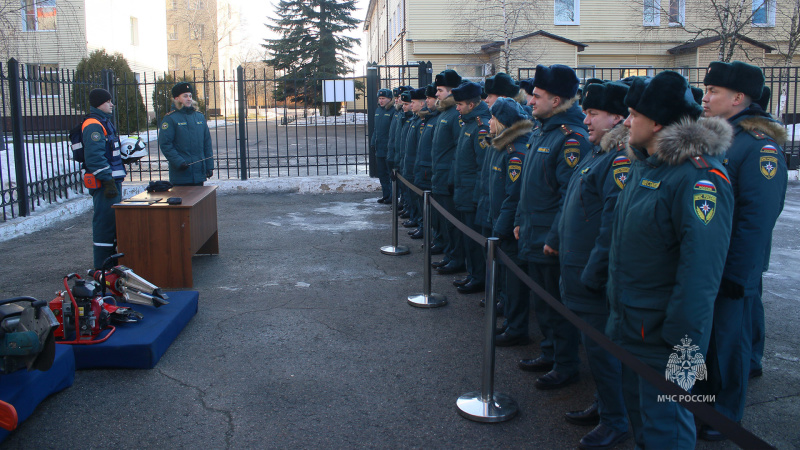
[[395, 251], [427, 301], [501, 408]]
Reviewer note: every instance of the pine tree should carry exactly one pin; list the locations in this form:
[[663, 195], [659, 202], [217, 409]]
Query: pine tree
[[311, 47], [129, 111]]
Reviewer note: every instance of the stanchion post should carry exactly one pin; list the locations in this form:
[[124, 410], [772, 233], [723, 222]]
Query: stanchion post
[[394, 249], [486, 405], [426, 299]]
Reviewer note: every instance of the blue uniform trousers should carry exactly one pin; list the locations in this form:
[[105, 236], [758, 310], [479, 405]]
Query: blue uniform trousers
[[454, 248], [473, 252], [656, 424], [607, 373], [516, 306], [729, 349], [104, 225], [561, 338], [382, 170], [758, 328]]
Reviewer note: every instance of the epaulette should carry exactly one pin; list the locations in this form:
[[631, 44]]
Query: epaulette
[[699, 162], [478, 119], [566, 130], [758, 134], [170, 112]]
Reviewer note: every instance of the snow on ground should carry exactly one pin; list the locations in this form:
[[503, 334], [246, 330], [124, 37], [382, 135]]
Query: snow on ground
[[47, 214]]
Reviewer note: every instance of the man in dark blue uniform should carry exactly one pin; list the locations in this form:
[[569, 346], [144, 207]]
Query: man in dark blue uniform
[[669, 239], [470, 151], [443, 149], [104, 173], [555, 149], [380, 140], [757, 171], [585, 232]]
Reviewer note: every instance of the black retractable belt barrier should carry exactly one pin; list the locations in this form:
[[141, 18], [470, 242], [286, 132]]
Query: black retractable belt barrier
[[487, 405], [394, 249], [427, 299], [703, 412]]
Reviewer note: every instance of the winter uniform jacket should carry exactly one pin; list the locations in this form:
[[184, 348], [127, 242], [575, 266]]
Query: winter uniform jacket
[[482, 217], [184, 138], [507, 156], [585, 226], [554, 150], [757, 170], [412, 142], [402, 142], [101, 148], [443, 150], [380, 135], [422, 168], [669, 240], [470, 151], [394, 134]]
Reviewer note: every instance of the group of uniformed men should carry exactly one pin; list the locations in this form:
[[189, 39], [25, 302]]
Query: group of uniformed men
[[645, 205]]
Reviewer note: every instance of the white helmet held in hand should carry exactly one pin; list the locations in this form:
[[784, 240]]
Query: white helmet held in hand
[[132, 149]]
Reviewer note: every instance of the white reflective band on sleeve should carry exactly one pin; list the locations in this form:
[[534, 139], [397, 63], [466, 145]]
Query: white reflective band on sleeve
[[77, 146], [116, 144], [102, 244], [117, 173], [100, 170], [115, 153]]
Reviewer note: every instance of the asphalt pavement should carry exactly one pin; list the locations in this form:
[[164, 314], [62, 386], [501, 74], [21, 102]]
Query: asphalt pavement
[[304, 339]]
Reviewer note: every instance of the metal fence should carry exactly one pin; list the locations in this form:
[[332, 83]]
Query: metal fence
[[784, 83], [263, 124]]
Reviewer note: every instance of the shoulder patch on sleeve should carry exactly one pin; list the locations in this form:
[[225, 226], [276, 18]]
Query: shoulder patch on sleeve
[[621, 161], [572, 155], [768, 164], [164, 125], [621, 176], [705, 200], [769, 149], [96, 136]]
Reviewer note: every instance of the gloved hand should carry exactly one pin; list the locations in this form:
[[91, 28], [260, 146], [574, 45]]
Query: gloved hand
[[209, 173], [110, 188], [731, 289], [183, 166]]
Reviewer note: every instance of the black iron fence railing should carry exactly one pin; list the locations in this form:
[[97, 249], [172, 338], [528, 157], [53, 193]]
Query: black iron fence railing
[[263, 123], [784, 83]]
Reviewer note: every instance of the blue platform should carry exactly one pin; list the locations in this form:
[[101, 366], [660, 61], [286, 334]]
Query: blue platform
[[140, 345], [25, 390]]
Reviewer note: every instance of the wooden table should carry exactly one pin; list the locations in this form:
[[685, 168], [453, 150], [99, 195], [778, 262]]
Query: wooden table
[[159, 239]]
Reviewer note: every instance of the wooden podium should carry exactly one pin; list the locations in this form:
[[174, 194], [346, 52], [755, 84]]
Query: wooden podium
[[158, 239]]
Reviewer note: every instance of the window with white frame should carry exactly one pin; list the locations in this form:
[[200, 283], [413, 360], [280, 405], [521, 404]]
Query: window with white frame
[[677, 13], [566, 12], [763, 13], [651, 14], [195, 63], [198, 31], [173, 32], [39, 15], [42, 80], [585, 72], [197, 4], [173, 62], [472, 72], [636, 71]]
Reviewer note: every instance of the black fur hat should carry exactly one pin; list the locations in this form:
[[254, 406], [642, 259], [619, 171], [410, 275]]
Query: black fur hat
[[405, 96], [448, 78], [665, 98], [482, 84], [384, 93], [507, 111], [736, 76], [396, 91], [608, 96], [467, 91], [527, 86], [418, 94], [557, 79], [582, 92], [430, 90], [181, 88], [502, 85], [698, 94], [763, 100]]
